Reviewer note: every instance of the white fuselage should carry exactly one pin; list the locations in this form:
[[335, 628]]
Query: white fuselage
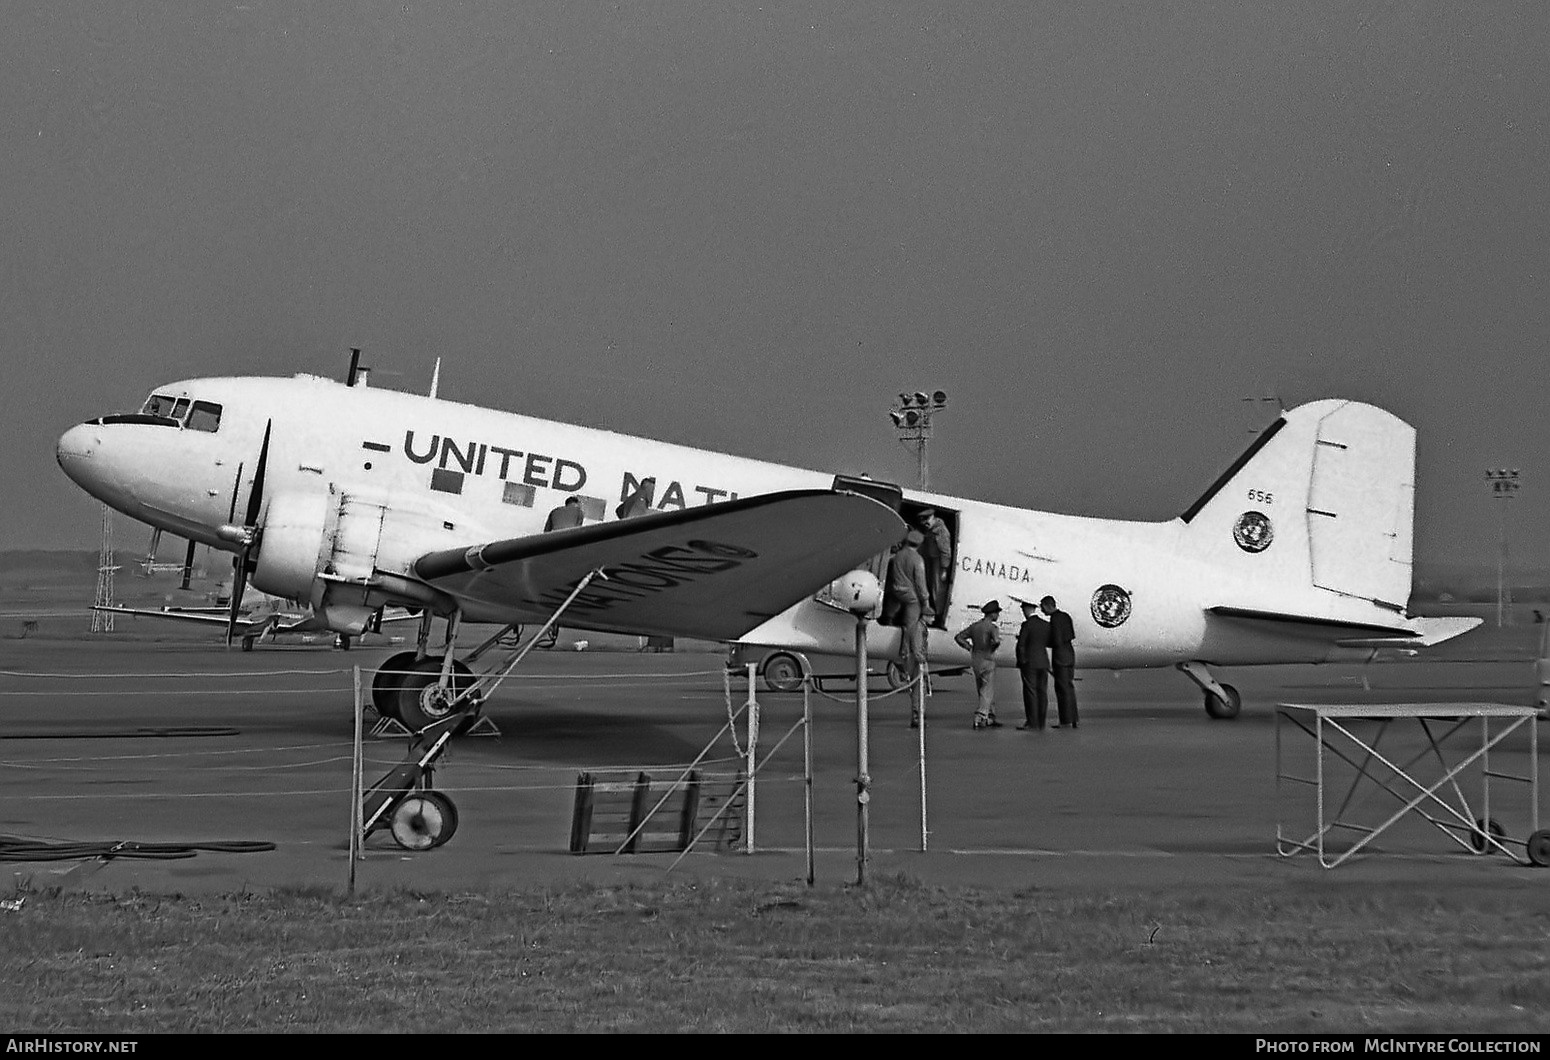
[[468, 475]]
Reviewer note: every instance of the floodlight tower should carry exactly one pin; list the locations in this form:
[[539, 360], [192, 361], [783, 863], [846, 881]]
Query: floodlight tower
[[1504, 484], [912, 418]]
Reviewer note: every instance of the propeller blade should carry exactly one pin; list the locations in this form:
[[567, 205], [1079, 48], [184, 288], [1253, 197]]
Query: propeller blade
[[240, 567], [239, 586], [188, 565], [236, 488], [256, 496]]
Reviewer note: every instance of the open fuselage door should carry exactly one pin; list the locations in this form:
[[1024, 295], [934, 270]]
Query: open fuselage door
[[941, 567]]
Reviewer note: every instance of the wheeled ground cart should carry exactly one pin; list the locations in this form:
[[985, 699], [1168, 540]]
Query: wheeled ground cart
[[1376, 766]]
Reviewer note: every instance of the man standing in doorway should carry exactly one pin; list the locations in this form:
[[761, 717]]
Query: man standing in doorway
[[908, 600], [937, 551], [982, 638], [1033, 665], [1062, 657]]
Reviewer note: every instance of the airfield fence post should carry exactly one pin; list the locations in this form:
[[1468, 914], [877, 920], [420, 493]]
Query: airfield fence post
[[356, 770], [807, 772], [920, 713], [753, 742], [863, 769]]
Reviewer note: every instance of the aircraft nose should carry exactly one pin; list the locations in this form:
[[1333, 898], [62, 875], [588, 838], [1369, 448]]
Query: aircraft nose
[[76, 449]]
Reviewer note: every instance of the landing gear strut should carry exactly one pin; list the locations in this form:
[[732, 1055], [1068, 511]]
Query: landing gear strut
[[1222, 701], [436, 697]]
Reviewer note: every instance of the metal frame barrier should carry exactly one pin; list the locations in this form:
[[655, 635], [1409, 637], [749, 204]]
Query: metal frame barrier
[[1427, 784]]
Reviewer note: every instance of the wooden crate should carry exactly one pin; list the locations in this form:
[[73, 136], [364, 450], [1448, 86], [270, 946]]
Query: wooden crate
[[610, 807]]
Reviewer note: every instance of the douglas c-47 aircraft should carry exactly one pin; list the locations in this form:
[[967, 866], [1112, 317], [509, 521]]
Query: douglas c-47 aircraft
[[352, 499]]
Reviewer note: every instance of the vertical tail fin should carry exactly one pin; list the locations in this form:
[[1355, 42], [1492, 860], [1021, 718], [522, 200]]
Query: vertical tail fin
[[1324, 498]]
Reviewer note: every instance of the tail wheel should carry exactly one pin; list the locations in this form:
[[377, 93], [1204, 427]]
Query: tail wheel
[[384, 685], [1224, 710], [423, 820], [897, 678], [782, 673], [420, 700]]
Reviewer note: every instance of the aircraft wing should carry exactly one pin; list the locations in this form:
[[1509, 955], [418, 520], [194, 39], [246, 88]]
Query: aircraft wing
[[247, 625], [205, 617], [712, 572]]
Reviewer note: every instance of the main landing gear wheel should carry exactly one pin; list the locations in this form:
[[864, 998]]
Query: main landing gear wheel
[[1224, 710], [385, 683], [1539, 848], [247, 643], [1486, 827], [782, 673], [419, 700], [423, 820]]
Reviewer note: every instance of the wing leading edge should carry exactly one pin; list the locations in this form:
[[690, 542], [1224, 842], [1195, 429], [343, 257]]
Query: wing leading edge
[[712, 572]]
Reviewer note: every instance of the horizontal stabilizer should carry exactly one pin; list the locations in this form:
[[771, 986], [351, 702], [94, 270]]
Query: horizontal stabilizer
[[1433, 631], [1320, 624], [714, 571]]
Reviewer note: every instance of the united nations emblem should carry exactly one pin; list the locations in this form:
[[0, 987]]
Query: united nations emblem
[[1253, 531], [1110, 606]]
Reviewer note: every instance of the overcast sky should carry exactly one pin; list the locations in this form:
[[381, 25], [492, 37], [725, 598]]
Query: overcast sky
[[1098, 227]]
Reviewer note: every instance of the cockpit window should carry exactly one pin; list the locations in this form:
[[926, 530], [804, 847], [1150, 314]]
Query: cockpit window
[[157, 405], [204, 417], [177, 412]]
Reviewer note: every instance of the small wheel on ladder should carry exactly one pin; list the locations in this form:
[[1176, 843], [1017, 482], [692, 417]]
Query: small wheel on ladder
[[1485, 827], [1539, 848], [423, 820]]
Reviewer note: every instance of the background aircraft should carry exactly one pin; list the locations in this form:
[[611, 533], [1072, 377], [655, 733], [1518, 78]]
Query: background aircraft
[[266, 617], [352, 498]]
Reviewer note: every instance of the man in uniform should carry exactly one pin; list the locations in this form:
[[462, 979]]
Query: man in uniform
[[1062, 657], [908, 600], [565, 516], [982, 638], [638, 502], [1033, 665], [937, 551]]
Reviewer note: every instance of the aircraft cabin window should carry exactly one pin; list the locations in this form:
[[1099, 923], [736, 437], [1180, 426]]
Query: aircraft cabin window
[[205, 417]]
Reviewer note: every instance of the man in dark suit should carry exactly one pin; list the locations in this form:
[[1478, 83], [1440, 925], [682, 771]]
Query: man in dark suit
[[1033, 663], [1062, 657]]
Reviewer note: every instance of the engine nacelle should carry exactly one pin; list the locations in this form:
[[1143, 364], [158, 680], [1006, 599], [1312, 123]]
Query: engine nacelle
[[288, 546], [325, 547]]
